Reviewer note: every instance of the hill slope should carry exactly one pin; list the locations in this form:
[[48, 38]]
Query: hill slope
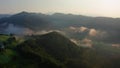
[[51, 48]]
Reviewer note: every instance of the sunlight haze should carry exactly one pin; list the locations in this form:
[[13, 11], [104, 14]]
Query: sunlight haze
[[109, 8]]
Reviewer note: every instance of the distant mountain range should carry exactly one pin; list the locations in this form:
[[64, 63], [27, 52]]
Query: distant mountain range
[[39, 20], [30, 22], [4, 15]]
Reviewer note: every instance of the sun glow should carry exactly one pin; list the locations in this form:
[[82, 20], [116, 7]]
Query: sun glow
[[110, 4], [108, 7]]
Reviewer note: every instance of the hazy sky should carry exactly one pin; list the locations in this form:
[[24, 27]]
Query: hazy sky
[[110, 8]]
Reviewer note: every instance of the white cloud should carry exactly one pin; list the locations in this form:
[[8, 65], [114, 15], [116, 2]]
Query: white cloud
[[78, 29], [93, 32]]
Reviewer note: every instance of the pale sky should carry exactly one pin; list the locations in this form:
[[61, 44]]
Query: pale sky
[[109, 8]]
